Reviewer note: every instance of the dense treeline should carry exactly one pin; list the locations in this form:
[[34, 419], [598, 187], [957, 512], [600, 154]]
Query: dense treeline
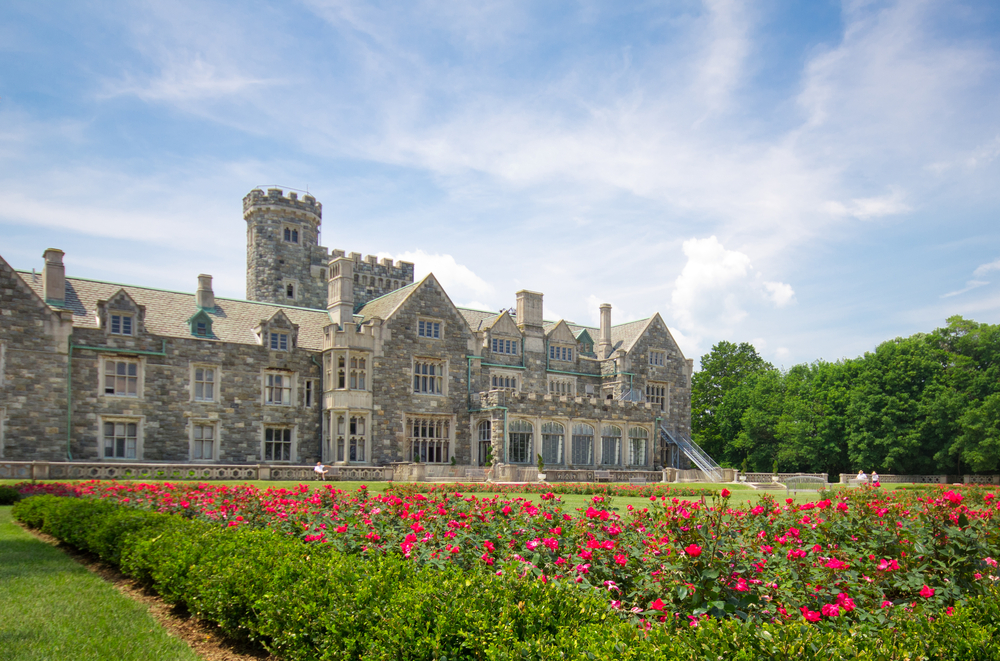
[[926, 404]]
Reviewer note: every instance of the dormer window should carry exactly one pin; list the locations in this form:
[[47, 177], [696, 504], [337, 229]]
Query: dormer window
[[121, 324], [291, 235], [279, 341], [201, 324]]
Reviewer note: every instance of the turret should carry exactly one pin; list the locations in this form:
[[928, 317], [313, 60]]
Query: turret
[[285, 263]]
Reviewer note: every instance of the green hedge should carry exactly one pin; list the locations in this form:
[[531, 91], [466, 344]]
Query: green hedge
[[312, 602], [9, 495]]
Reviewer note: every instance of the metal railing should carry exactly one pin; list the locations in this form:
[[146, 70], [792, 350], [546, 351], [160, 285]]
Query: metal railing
[[700, 458]]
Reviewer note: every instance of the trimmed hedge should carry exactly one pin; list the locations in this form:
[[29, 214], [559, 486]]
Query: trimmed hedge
[[9, 495], [312, 602]]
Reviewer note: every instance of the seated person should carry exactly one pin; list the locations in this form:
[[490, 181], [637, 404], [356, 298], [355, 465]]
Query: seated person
[[320, 470]]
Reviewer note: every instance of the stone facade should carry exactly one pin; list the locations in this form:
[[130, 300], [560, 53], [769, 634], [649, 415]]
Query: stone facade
[[334, 358]]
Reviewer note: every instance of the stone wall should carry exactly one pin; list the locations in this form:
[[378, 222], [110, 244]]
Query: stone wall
[[33, 354], [166, 408], [392, 372]]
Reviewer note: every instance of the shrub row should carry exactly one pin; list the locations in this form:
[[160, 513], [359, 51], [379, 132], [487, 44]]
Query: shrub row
[[312, 602]]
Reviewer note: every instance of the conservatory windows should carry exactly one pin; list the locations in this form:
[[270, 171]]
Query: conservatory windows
[[611, 445], [583, 444], [638, 446], [519, 446], [553, 434]]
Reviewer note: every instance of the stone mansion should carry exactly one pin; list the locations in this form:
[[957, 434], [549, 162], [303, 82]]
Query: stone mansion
[[333, 357]]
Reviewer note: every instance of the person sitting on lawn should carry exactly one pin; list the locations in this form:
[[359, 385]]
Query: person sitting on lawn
[[320, 470]]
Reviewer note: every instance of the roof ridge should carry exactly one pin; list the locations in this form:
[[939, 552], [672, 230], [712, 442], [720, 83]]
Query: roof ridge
[[174, 291]]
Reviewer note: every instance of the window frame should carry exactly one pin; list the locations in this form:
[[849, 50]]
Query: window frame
[[613, 438], [115, 421], [578, 436], [506, 377], [633, 437], [212, 425], [504, 346], [433, 448], [121, 317], [288, 431], [657, 358], [550, 434], [429, 328], [127, 360], [216, 374], [555, 383], [282, 339], [291, 234], [421, 379], [562, 352], [525, 438], [268, 387]]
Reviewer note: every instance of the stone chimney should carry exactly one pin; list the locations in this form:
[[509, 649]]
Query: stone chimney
[[529, 309], [604, 343], [340, 293], [54, 277], [204, 295]]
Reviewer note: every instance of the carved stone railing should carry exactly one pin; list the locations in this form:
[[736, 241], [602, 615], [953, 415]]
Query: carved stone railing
[[623, 475], [15, 470], [849, 478], [110, 471]]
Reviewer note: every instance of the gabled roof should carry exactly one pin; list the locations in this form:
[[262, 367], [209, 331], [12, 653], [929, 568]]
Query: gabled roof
[[167, 312], [625, 335], [479, 319], [383, 306], [559, 332]]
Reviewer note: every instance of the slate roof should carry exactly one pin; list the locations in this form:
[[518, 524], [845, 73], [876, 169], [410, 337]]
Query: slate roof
[[167, 312], [623, 336], [479, 319], [383, 306]]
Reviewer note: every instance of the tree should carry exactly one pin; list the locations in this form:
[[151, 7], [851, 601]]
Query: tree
[[723, 370]]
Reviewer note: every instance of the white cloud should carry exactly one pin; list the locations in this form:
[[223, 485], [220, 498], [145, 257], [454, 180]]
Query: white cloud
[[983, 269], [780, 293], [870, 207], [717, 286], [461, 283]]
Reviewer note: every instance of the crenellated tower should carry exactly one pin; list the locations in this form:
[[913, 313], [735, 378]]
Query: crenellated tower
[[285, 263]]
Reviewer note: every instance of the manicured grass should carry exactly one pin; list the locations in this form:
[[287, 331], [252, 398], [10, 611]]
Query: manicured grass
[[53, 608]]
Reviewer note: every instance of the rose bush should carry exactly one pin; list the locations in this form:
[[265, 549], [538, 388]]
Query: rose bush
[[845, 558]]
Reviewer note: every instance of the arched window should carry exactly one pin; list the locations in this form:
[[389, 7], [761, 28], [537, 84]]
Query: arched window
[[611, 446], [519, 444], [552, 442], [638, 446], [583, 445], [485, 442]]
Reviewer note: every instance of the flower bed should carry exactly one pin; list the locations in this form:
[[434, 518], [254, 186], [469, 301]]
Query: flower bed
[[327, 574], [842, 560]]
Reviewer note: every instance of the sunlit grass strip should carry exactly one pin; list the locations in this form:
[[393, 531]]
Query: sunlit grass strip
[[53, 608]]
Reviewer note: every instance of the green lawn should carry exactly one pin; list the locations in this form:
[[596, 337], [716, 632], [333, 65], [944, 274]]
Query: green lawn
[[53, 608]]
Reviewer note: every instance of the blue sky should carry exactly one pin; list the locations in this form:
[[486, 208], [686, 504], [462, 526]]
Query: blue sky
[[812, 177]]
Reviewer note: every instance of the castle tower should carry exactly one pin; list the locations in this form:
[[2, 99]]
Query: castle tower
[[285, 263]]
